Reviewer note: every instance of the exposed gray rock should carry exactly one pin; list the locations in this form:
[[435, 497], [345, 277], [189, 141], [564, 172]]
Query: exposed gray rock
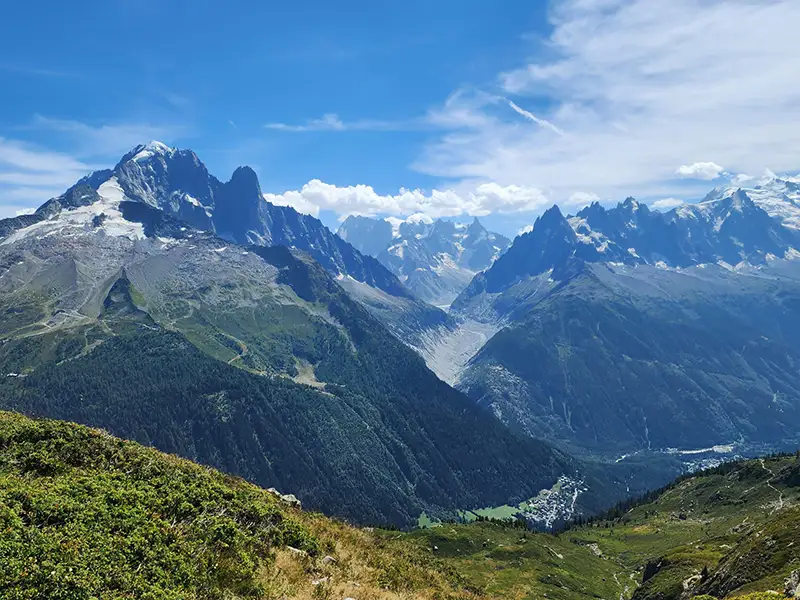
[[792, 585]]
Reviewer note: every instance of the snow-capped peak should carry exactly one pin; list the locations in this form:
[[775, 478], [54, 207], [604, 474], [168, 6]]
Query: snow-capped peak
[[418, 221], [153, 148], [739, 200], [779, 197]]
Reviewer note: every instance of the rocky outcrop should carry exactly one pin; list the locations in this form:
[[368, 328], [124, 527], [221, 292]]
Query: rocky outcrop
[[792, 585]]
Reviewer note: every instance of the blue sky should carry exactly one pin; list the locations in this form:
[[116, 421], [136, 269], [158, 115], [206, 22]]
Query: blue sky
[[496, 109]]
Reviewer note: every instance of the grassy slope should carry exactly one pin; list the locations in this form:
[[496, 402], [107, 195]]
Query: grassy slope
[[741, 522], [86, 515]]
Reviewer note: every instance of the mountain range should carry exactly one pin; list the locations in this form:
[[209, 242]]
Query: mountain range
[[184, 312], [436, 260], [627, 329], [152, 300], [179, 184]]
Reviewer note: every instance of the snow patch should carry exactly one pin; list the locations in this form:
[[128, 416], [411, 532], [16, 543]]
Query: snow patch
[[192, 200], [398, 249], [587, 236], [84, 219]]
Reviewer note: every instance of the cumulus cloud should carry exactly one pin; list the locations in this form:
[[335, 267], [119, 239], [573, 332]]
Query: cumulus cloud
[[14, 210], [701, 170], [482, 199], [631, 88], [666, 203], [741, 179]]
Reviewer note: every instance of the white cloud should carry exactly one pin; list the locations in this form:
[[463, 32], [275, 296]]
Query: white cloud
[[328, 122], [108, 139], [29, 175], [479, 200], [332, 122], [296, 200], [524, 230], [582, 199], [700, 170], [14, 210], [741, 179], [24, 157], [631, 88], [768, 175], [415, 219], [666, 203], [532, 117]]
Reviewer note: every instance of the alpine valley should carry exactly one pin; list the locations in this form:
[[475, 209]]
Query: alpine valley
[[169, 307], [189, 314]]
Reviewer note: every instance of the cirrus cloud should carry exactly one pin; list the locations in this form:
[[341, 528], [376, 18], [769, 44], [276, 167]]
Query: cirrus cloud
[[332, 122], [624, 92], [30, 175]]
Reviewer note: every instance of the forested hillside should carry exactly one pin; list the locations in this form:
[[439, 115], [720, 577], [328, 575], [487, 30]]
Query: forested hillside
[[371, 434]]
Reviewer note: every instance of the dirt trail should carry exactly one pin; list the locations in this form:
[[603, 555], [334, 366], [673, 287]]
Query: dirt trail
[[769, 484]]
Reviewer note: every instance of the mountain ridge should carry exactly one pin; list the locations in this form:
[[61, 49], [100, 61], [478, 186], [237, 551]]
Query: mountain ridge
[[677, 324], [87, 514], [434, 258], [178, 183], [120, 315]]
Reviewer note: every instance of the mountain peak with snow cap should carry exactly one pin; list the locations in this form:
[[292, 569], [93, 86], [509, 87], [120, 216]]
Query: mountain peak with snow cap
[[144, 152]]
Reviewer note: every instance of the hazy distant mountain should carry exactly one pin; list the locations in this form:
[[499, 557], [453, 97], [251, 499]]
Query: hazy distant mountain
[[435, 259]]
